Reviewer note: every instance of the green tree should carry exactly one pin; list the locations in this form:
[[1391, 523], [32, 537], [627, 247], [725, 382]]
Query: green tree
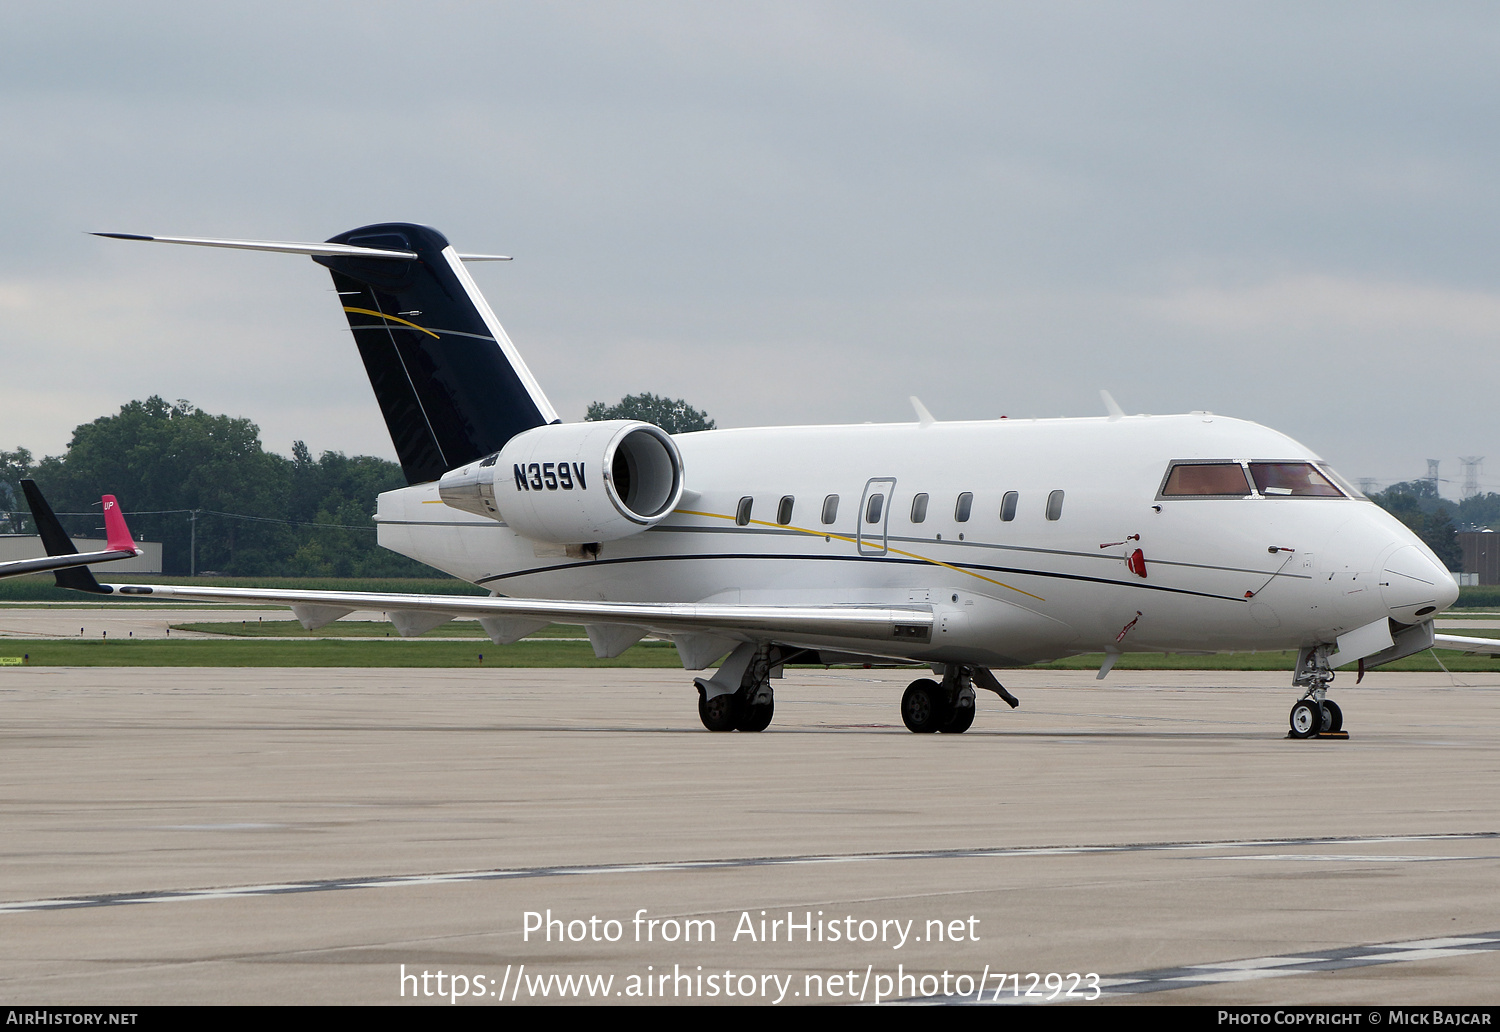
[[257, 513], [336, 493], [1482, 510], [1430, 516], [14, 467], [160, 458], [673, 415]]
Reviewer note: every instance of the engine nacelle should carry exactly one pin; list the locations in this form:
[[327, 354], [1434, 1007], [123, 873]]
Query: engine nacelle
[[574, 483]]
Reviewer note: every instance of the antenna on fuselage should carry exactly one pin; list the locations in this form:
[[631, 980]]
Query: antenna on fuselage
[[1111, 406]]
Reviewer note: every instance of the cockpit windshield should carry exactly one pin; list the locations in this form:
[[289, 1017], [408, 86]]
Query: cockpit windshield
[[1299, 479], [1206, 479], [1240, 479]]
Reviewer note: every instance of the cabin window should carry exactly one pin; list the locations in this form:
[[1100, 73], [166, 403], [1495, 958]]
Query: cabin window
[[874, 509], [784, 510], [919, 508], [830, 509], [1008, 506], [1054, 505], [742, 514], [1206, 480], [1296, 479], [964, 507]]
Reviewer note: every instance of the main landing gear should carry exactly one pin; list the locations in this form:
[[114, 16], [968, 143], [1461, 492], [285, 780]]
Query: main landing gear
[[928, 706], [723, 706], [1315, 714]]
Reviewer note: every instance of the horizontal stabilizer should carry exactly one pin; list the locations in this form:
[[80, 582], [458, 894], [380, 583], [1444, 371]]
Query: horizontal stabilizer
[[451, 385], [281, 246], [320, 250]]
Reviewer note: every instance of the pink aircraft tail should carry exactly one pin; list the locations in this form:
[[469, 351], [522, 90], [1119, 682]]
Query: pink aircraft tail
[[116, 533]]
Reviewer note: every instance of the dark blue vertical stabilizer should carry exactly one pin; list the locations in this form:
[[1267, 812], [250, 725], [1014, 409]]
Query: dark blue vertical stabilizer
[[450, 384]]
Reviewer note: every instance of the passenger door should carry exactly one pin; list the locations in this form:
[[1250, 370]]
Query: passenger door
[[874, 516]]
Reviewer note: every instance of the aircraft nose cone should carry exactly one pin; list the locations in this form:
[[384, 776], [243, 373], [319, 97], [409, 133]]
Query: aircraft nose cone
[[1414, 587]]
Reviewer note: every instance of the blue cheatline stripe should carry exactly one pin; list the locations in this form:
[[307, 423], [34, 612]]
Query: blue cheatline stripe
[[962, 566]]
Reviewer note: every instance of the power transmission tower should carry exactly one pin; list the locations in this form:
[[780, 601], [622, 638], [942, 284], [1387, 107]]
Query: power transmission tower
[[1367, 485], [1432, 473], [1471, 474]]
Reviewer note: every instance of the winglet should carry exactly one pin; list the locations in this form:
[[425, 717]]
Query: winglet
[[1110, 405], [117, 535], [924, 418], [56, 541]]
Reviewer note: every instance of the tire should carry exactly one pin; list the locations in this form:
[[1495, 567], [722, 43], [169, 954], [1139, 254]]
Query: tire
[[1333, 717], [1306, 719], [720, 713], [755, 718], [961, 720], [923, 708]]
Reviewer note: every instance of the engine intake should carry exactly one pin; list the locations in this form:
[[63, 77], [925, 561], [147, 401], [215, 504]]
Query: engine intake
[[573, 483]]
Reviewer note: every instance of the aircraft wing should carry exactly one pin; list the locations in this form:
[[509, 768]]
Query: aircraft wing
[[696, 628], [1487, 646], [61, 553]]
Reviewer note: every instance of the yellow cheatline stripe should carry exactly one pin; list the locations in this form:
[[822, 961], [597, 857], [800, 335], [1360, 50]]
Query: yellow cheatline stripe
[[392, 318], [852, 541]]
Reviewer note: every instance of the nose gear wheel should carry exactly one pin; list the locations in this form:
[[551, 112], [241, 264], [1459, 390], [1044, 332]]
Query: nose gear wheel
[[1306, 718]]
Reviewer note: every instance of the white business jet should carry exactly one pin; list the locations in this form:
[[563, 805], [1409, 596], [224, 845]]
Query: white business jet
[[960, 546]]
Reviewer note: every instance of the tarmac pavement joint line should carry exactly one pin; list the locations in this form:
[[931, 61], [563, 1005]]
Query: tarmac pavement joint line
[[455, 877]]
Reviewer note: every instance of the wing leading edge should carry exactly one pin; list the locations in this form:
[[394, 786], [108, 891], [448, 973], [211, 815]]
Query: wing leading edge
[[1484, 646], [696, 628]]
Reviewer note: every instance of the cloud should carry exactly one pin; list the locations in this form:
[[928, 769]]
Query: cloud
[[1321, 302]]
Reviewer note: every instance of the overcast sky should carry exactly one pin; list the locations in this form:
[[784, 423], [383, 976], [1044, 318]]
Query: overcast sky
[[782, 212]]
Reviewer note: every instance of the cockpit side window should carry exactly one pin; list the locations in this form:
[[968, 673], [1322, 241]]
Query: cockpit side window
[[1295, 479], [1342, 483], [1206, 480]]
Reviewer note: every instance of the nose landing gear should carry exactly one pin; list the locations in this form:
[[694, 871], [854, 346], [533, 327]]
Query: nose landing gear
[[1314, 715]]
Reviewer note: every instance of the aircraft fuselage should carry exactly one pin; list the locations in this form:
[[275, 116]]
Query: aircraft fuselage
[[1121, 567]]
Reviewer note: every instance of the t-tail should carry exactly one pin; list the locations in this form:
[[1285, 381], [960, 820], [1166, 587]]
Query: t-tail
[[450, 384]]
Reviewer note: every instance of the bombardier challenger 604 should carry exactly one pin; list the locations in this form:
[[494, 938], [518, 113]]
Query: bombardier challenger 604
[[957, 546]]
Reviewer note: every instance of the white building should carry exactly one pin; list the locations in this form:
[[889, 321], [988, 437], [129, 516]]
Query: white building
[[29, 546]]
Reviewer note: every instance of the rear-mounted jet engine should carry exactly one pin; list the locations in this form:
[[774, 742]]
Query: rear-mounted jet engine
[[573, 483]]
